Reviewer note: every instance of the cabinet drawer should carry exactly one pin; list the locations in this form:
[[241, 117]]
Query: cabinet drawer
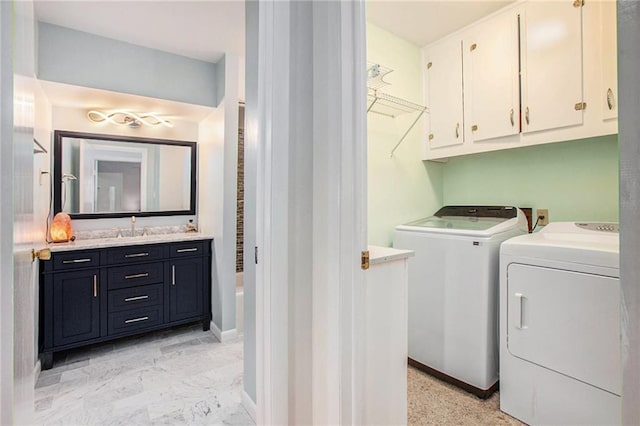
[[75, 259], [135, 297], [138, 319], [133, 254], [184, 249], [134, 275]]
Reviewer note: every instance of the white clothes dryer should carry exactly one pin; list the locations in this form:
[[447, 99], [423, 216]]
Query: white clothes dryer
[[560, 325], [453, 291]]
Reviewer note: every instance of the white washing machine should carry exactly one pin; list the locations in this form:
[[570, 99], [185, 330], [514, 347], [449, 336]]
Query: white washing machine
[[453, 291], [560, 325]]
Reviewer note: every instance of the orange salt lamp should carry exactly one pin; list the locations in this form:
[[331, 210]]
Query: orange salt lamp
[[61, 231]]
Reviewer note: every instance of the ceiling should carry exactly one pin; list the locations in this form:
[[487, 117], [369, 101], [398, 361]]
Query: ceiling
[[422, 22]]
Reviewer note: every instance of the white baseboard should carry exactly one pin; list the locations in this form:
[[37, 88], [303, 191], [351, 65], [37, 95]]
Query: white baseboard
[[36, 371], [249, 405], [223, 336]]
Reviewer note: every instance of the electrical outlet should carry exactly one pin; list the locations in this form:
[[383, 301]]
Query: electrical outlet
[[543, 214]]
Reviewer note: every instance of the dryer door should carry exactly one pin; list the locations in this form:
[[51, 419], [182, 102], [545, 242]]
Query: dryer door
[[566, 321]]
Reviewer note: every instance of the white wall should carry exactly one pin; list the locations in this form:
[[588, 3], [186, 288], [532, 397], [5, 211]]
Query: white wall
[[402, 188], [211, 198], [217, 177], [43, 133]]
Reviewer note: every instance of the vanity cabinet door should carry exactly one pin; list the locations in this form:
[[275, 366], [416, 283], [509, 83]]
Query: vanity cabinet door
[[185, 288], [76, 306]]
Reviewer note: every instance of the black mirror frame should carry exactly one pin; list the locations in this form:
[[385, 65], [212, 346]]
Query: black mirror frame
[[58, 135]]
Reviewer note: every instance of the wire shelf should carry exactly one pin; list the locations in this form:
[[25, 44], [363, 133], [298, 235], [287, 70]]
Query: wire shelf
[[388, 105], [391, 106]]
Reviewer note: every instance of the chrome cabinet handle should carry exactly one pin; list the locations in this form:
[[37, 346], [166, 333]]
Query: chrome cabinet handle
[[132, 299], [129, 321], [526, 115], [77, 261], [95, 285], [457, 130], [128, 277], [610, 101], [511, 117], [136, 255], [173, 274], [187, 249]]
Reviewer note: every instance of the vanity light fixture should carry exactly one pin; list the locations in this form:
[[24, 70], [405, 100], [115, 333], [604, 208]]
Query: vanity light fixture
[[127, 118]]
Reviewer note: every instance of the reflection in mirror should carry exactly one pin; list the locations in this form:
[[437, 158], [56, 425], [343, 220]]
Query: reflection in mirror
[[112, 176]]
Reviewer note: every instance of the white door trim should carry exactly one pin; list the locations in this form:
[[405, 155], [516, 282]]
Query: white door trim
[[311, 112], [6, 213]]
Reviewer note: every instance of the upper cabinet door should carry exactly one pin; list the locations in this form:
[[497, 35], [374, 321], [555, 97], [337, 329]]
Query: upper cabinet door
[[491, 89], [444, 93], [609, 46], [551, 65]]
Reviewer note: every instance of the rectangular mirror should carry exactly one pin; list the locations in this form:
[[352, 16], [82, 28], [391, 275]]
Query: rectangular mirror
[[100, 176]]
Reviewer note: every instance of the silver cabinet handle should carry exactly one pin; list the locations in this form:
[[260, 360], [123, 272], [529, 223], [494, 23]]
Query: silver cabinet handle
[[457, 130], [95, 285], [129, 321], [133, 299], [136, 255], [610, 101], [511, 117], [173, 274], [128, 277], [77, 261], [526, 115], [187, 249]]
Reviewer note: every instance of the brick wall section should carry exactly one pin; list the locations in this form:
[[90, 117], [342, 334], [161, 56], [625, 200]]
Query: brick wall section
[[240, 205]]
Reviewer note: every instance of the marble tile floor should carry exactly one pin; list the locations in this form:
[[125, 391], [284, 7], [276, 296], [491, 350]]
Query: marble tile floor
[[180, 376]]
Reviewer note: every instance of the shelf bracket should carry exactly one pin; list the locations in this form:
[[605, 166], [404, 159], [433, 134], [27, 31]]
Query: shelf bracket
[[406, 133]]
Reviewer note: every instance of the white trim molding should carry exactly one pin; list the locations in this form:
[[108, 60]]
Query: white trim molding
[[311, 211], [249, 405], [629, 133], [223, 336]]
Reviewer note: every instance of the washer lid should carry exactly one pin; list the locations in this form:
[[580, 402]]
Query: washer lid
[[476, 221], [595, 244]]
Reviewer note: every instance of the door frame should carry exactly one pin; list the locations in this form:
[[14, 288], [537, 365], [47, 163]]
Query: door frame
[[6, 213], [336, 190]]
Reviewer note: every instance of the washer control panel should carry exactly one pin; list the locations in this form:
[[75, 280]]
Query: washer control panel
[[602, 227]]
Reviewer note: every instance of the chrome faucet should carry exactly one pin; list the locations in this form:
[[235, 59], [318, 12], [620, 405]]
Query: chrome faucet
[[133, 226]]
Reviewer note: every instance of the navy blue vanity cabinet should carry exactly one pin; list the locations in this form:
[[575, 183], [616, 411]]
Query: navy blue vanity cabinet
[[76, 306], [91, 296], [185, 288]]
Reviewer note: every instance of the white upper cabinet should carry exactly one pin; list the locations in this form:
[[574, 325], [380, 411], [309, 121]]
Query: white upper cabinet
[[551, 61], [443, 90], [608, 49], [491, 86]]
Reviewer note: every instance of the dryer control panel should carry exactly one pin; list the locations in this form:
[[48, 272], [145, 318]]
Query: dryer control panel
[[596, 226]]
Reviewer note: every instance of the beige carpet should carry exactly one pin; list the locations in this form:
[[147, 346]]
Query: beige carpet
[[433, 402]]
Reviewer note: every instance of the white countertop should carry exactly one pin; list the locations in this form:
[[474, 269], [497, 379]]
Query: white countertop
[[127, 241], [378, 255]]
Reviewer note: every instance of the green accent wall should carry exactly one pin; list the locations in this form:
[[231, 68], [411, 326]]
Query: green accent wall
[[575, 180], [402, 188]]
